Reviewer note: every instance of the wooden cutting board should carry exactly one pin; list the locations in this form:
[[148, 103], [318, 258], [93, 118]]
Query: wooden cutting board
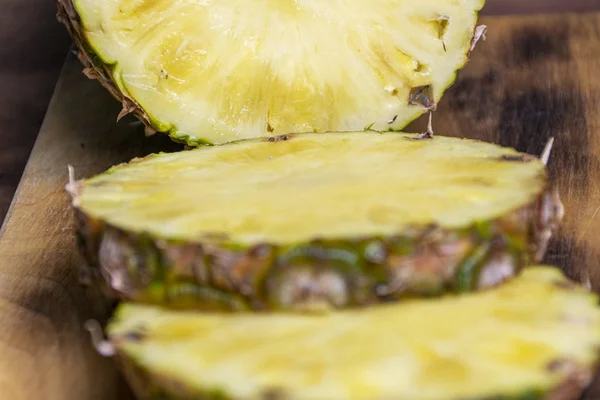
[[534, 78]]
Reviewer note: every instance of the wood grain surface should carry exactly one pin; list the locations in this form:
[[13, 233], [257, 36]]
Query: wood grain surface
[[33, 46], [534, 78]]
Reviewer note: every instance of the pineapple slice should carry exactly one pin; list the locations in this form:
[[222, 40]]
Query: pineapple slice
[[311, 221], [536, 337], [216, 71]]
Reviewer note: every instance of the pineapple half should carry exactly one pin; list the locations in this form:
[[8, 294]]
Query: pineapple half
[[217, 71], [536, 337], [309, 221]]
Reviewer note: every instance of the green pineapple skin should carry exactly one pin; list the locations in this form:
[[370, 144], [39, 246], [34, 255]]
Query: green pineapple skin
[[319, 275], [96, 69]]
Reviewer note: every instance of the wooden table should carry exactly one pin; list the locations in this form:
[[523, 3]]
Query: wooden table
[[534, 78]]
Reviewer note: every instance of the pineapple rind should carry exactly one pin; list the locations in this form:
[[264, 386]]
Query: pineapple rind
[[390, 117], [536, 337], [313, 272], [227, 276]]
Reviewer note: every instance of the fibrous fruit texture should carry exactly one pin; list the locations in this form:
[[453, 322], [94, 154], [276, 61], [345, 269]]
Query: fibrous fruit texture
[[311, 221], [536, 337], [216, 71]]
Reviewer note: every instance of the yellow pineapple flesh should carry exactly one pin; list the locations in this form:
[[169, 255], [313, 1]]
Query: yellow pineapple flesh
[[216, 71], [533, 338], [335, 185]]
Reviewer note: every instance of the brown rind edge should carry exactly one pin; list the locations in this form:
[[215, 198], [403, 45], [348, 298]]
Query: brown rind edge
[[96, 69], [215, 273]]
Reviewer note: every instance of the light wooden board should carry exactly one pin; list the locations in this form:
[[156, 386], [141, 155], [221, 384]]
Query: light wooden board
[[534, 78]]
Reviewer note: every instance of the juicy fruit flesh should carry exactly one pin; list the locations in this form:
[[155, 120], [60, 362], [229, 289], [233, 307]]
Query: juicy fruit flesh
[[329, 186], [520, 337], [214, 71]]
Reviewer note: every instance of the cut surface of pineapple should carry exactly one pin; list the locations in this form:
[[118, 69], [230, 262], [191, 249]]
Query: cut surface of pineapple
[[334, 220], [216, 71], [536, 337], [337, 185]]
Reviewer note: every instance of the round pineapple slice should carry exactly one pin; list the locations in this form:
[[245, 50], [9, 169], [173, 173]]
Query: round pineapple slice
[[310, 221], [536, 337], [217, 71]]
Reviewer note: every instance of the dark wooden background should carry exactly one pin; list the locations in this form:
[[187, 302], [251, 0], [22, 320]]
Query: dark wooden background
[[33, 47]]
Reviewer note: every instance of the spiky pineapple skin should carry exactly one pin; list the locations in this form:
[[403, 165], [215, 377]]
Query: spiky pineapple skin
[[318, 274], [96, 69]]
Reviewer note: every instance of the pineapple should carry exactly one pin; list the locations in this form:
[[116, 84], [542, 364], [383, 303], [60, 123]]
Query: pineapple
[[218, 71], [536, 337], [314, 222]]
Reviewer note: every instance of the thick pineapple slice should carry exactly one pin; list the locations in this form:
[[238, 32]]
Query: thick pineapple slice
[[216, 71], [536, 337], [337, 219]]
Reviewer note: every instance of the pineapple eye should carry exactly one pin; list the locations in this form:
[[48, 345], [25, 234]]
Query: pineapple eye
[[423, 96], [443, 22]]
